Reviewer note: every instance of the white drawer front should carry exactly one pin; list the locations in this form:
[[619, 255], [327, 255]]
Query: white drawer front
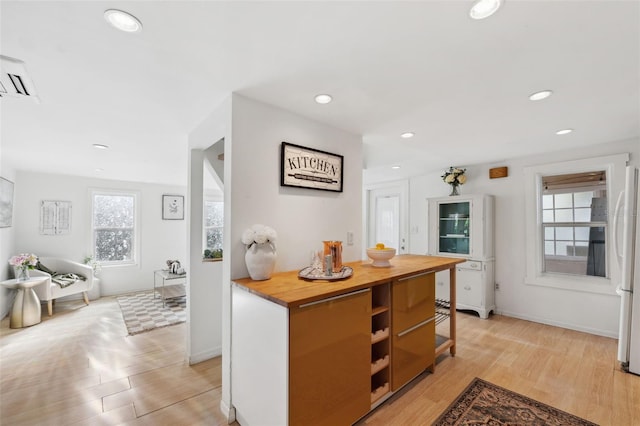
[[469, 287], [472, 265]]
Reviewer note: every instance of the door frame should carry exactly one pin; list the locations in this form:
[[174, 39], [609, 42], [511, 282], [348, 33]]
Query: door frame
[[401, 188]]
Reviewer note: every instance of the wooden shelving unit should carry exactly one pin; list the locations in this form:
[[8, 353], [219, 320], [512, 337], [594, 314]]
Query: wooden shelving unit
[[380, 343], [449, 343]]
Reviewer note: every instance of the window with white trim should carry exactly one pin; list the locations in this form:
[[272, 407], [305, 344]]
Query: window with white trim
[[213, 229], [574, 223], [114, 227], [570, 212]]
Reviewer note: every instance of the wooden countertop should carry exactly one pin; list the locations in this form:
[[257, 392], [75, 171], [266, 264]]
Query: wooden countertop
[[288, 290]]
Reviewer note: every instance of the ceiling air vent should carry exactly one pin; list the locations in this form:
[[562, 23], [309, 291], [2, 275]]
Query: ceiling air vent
[[14, 80]]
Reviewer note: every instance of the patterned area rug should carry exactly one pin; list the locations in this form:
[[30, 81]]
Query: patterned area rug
[[141, 312], [483, 403]]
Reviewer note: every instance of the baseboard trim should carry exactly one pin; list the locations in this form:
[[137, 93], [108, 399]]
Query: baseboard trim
[[228, 411], [205, 355], [596, 331]]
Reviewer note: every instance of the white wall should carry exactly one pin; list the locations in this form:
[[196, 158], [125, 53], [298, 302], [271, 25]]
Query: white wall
[[594, 313], [206, 294], [159, 239], [204, 308], [303, 218], [7, 249]]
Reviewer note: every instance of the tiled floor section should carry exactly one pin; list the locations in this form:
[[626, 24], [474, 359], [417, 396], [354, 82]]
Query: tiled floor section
[[143, 312]]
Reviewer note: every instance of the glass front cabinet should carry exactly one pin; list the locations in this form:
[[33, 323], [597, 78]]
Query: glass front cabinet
[[462, 226]]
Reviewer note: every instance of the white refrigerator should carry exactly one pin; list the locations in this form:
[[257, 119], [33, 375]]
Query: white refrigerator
[[626, 246]]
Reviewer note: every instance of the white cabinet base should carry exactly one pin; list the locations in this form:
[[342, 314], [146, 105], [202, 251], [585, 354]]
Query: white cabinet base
[[260, 391], [474, 287]]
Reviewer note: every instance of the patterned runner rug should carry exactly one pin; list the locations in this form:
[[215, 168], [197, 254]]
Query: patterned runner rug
[[141, 312], [483, 403]]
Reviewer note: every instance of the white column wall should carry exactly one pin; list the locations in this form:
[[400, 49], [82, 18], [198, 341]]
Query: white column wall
[[209, 330]]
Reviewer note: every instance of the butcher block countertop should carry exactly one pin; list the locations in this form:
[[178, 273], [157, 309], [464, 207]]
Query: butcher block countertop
[[288, 290]]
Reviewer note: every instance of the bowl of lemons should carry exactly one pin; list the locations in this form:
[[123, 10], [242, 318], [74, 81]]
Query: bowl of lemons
[[381, 255]]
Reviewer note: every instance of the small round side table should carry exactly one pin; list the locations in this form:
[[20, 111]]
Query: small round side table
[[26, 309]]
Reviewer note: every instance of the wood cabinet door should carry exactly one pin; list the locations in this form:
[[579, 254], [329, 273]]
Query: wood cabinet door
[[413, 352], [330, 360], [413, 327], [413, 301]]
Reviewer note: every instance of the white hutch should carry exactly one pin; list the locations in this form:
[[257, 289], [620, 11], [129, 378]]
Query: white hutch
[[463, 226]]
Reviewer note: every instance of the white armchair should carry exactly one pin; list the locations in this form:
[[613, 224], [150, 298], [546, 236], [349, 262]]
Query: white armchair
[[49, 290]]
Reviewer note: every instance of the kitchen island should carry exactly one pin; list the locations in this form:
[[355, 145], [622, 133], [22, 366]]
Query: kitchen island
[[327, 352]]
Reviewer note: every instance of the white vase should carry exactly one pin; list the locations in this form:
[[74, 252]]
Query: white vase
[[260, 260]]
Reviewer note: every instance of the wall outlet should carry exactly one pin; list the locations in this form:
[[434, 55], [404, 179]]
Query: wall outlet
[[350, 238], [497, 286]]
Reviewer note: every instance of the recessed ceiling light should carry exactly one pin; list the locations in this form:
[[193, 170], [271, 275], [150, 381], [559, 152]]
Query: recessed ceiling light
[[484, 8], [323, 99], [407, 135], [395, 167], [98, 169], [564, 131], [100, 146], [538, 96], [123, 21]]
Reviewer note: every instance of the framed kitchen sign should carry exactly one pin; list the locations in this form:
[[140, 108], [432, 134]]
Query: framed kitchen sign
[[310, 168]]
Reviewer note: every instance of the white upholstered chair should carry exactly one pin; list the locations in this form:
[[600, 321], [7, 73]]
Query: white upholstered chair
[[50, 291]]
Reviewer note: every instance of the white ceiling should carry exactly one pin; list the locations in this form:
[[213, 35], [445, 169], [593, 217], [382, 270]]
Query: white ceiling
[[424, 66]]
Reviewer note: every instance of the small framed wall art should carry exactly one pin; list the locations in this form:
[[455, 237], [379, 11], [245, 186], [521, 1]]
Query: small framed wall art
[[173, 207], [6, 203], [310, 168], [55, 217]]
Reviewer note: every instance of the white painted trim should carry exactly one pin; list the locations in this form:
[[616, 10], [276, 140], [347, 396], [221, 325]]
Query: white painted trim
[[614, 165], [228, 411], [137, 244], [599, 332], [205, 355]]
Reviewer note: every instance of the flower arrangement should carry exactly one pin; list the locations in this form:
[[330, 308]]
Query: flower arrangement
[[258, 234], [24, 260], [454, 176], [90, 261]]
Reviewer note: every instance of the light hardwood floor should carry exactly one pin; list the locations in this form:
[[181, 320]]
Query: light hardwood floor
[[79, 367]]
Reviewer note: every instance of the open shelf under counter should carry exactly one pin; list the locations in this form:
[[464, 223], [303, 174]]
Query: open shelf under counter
[[380, 335], [379, 364], [378, 310], [379, 392]]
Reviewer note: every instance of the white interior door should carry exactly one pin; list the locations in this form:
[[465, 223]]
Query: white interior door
[[387, 217]]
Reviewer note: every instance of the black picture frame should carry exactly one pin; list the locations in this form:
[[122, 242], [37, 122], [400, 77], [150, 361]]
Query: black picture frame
[[172, 207], [310, 168]]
